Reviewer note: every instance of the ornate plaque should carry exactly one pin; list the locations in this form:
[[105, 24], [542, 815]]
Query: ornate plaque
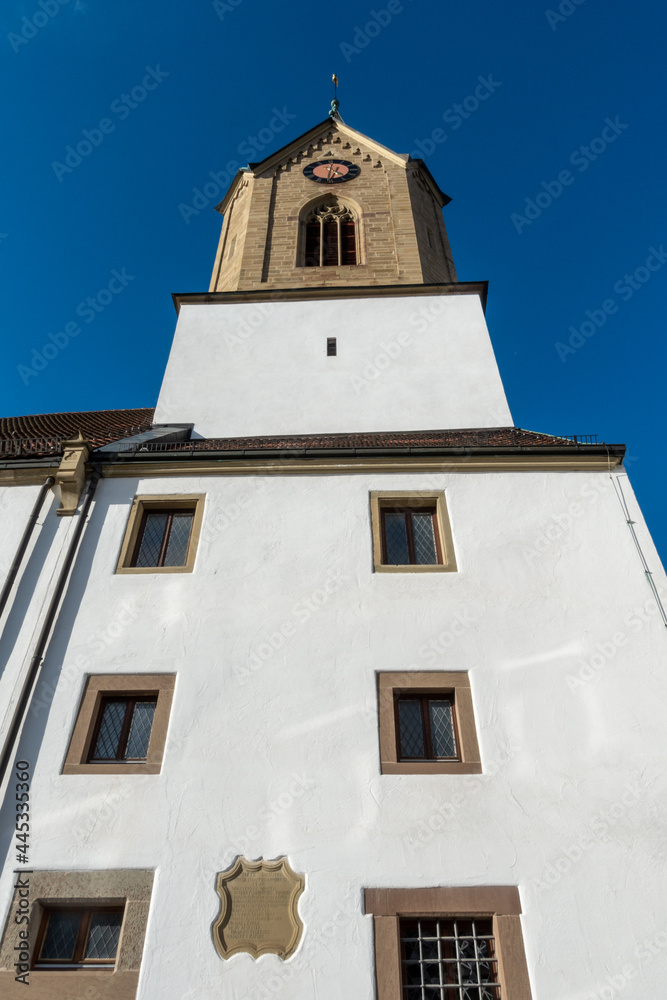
[[258, 909]]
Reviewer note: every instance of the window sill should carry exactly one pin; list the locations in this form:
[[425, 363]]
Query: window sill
[[430, 568], [114, 768], [430, 767]]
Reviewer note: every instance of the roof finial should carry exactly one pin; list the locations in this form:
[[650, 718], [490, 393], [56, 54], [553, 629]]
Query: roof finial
[[335, 104]]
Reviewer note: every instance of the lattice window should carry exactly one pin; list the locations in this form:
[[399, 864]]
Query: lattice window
[[426, 727], [409, 536], [331, 237], [449, 959], [123, 729], [78, 939]]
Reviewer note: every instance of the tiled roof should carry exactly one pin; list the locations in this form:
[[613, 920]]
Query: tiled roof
[[468, 438], [43, 433]]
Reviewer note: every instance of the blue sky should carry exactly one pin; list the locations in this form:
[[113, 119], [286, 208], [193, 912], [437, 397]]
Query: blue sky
[[570, 132]]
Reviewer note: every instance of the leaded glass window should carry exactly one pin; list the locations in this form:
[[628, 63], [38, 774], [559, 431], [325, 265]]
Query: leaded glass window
[[78, 938], [123, 729], [330, 236], [426, 728], [449, 959], [164, 538], [409, 537]]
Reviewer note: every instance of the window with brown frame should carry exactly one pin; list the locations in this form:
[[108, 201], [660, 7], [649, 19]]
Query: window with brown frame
[[78, 938], [123, 730], [410, 536], [162, 534], [164, 538], [449, 943], [121, 726], [427, 723], [426, 728], [411, 532]]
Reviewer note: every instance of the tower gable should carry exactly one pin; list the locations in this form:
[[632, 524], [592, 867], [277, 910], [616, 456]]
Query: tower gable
[[400, 236]]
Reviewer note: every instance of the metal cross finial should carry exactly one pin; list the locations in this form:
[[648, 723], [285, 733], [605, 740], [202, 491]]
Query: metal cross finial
[[335, 104]]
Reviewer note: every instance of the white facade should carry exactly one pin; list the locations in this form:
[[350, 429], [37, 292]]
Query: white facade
[[403, 363], [276, 639], [275, 751]]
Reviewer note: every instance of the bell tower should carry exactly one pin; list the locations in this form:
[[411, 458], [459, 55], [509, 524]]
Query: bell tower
[[332, 208], [334, 305]]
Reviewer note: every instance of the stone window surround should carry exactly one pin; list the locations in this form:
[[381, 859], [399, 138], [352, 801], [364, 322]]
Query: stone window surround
[[414, 499], [358, 216], [177, 501], [130, 888], [456, 683], [501, 903], [99, 686]]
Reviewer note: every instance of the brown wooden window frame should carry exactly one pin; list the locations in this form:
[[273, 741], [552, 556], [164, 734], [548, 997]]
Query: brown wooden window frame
[[435, 684], [132, 701], [166, 537], [408, 513], [78, 960], [417, 501], [501, 904], [163, 503], [88, 720], [424, 698]]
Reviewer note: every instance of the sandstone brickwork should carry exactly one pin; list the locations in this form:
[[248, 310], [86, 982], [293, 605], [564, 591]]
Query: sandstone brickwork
[[401, 235]]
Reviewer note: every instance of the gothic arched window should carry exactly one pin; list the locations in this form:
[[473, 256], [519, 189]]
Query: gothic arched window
[[331, 237]]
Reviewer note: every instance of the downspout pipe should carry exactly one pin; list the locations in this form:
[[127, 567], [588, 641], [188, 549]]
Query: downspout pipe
[[23, 544], [38, 655]]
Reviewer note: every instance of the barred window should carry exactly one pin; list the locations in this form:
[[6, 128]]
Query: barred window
[[449, 959], [331, 237]]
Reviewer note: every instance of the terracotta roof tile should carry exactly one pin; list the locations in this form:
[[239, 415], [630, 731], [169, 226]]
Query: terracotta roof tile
[[43, 433]]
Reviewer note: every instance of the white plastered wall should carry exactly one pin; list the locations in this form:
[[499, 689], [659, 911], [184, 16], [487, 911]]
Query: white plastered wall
[[403, 363], [273, 749]]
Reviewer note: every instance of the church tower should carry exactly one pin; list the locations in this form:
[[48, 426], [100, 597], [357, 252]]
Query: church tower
[[324, 679]]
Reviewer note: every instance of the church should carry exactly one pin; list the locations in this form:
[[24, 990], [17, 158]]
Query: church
[[321, 678]]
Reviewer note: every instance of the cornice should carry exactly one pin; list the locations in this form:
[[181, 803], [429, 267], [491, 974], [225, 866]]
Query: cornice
[[330, 292]]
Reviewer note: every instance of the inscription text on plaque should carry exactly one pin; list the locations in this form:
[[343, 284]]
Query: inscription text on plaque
[[258, 911]]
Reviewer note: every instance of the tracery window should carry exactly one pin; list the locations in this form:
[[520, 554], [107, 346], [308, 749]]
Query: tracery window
[[331, 237]]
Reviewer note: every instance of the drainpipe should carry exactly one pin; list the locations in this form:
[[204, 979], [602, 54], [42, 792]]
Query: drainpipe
[[23, 544], [35, 663]]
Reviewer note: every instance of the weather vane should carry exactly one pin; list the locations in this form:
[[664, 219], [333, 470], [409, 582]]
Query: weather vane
[[335, 103]]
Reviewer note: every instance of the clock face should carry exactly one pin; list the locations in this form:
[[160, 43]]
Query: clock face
[[332, 171]]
